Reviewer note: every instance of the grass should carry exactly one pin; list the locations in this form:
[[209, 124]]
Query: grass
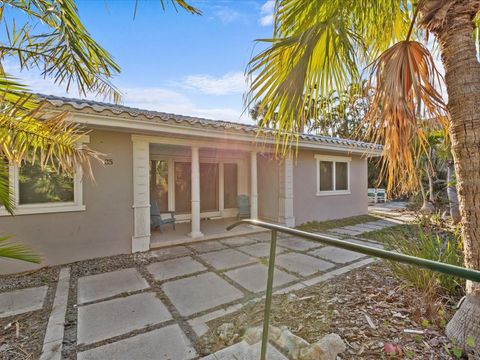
[[317, 226]]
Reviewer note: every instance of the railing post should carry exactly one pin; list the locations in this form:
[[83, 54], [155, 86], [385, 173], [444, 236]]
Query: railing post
[[268, 295]]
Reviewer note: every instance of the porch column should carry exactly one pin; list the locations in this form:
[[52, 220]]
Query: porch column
[[253, 186], [141, 196], [195, 194], [285, 200]]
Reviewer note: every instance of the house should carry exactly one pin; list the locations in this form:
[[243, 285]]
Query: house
[[193, 166]]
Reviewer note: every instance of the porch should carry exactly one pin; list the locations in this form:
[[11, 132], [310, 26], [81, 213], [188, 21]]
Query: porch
[[200, 180], [211, 228]]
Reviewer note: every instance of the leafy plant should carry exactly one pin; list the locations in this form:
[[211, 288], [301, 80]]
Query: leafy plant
[[17, 251], [429, 243]]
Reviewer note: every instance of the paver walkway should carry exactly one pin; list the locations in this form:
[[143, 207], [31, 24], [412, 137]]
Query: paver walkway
[[122, 311], [157, 310]]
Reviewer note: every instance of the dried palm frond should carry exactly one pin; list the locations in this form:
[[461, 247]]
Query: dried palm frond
[[405, 81], [51, 140]]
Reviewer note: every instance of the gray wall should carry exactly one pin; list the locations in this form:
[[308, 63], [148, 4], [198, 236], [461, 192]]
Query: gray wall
[[267, 183], [105, 228], [308, 206]]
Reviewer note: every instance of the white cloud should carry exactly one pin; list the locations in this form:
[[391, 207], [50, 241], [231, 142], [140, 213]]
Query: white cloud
[[151, 98], [266, 12], [171, 101], [230, 83], [227, 15]]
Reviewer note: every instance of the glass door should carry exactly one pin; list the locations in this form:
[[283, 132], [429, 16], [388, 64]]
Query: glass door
[[208, 187], [159, 183], [183, 187]]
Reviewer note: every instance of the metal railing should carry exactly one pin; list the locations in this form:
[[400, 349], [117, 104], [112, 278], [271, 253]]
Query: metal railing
[[458, 271]]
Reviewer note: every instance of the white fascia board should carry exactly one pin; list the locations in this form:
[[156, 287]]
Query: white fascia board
[[207, 132]]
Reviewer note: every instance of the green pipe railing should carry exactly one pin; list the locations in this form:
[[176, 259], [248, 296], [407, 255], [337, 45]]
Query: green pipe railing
[[458, 271]]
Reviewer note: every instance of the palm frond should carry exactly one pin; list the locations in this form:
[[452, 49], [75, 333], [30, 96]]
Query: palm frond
[[66, 53], [296, 69], [404, 80], [318, 47], [6, 195], [17, 251], [48, 139]]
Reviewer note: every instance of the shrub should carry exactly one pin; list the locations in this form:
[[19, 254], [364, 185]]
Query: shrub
[[426, 242]]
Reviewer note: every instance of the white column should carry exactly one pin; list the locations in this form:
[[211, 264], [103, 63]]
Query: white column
[[221, 188], [285, 200], [195, 194], [141, 196], [253, 186]]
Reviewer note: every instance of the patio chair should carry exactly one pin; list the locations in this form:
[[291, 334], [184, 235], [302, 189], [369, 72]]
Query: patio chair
[[243, 205], [381, 195], [372, 195], [156, 219]]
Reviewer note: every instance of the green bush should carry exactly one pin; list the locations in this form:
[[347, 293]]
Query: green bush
[[429, 243]]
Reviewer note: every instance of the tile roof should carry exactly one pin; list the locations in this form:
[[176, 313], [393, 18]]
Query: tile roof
[[157, 116]]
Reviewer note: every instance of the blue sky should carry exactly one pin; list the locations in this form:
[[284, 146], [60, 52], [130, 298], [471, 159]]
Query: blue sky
[[175, 62]]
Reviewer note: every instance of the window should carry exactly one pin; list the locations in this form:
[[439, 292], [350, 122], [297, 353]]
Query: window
[[333, 175], [38, 190], [43, 186]]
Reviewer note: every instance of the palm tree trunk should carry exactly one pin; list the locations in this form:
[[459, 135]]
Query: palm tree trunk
[[462, 76], [452, 193]]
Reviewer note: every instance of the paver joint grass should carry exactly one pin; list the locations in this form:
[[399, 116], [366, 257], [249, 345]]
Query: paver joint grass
[[315, 226]]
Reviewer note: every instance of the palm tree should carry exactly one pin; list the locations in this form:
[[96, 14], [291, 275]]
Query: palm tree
[[54, 41], [318, 46]]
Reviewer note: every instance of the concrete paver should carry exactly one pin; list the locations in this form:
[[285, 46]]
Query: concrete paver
[[344, 231], [22, 301], [238, 241], [171, 252], [168, 343], [301, 264], [169, 269], [254, 277], [201, 292], [53, 340], [336, 255], [260, 250], [119, 316], [204, 247], [105, 285], [298, 244], [226, 259]]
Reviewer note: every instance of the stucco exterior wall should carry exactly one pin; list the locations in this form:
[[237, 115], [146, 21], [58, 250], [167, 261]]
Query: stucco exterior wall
[[268, 187], [104, 228], [308, 206]]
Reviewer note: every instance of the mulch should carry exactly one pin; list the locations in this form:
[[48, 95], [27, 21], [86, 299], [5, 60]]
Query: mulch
[[21, 336], [376, 315]]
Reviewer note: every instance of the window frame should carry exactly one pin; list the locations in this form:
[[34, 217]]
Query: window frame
[[45, 208], [334, 160]]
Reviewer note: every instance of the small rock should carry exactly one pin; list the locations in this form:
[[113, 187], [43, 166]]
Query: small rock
[[292, 297], [253, 335], [291, 343], [327, 348], [225, 331]]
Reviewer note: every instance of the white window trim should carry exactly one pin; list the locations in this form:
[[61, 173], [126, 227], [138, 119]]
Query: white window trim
[[45, 208], [333, 159]]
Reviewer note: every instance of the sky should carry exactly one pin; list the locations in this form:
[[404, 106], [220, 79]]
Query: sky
[[174, 62]]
